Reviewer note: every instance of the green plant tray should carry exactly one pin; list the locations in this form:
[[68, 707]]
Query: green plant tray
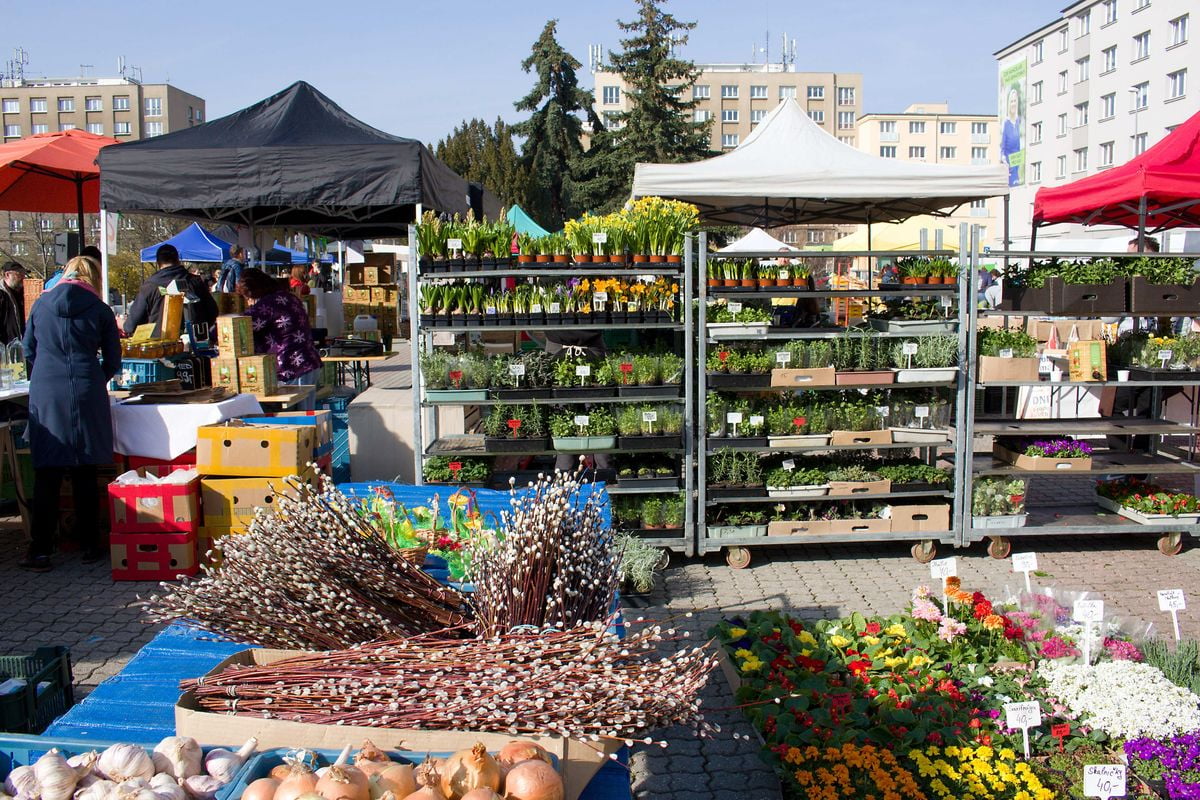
[[583, 444], [456, 395], [735, 531]]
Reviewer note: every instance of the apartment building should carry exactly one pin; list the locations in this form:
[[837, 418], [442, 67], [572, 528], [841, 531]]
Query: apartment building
[[735, 97], [929, 132], [1093, 88]]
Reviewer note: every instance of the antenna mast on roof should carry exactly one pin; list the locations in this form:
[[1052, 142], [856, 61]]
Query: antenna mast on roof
[[15, 71], [595, 57]]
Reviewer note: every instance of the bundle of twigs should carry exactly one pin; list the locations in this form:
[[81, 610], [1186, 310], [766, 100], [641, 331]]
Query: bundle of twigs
[[312, 575], [581, 682], [554, 562]]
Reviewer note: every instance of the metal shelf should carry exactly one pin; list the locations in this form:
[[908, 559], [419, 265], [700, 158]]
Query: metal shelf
[[784, 293], [1086, 384], [718, 501], [558, 272], [1076, 520], [1103, 463], [1081, 427], [589, 326], [824, 448], [792, 254], [815, 333], [553, 401], [839, 388], [471, 445], [943, 537], [619, 490]]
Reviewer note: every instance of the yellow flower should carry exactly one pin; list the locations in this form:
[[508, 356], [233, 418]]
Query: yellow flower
[[737, 633], [742, 652], [839, 640], [751, 664], [871, 640], [1008, 754], [806, 638], [895, 661], [896, 630], [918, 661]]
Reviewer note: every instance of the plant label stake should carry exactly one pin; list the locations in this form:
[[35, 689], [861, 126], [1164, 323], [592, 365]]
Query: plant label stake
[[734, 418], [514, 425], [947, 303], [517, 371], [456, 376], [455, 467], [599, 299], [910, 350], [1087, 612], [757, 419], [735, 308], [1006, 353], [556, 308], [1024, 716], [1027, 563], [1172, 600], [921, 413], [650, 417], [939, 570], [799, 422], [783, 357], [583, 372], [626, 368], [536, 308], [1104, 780], [600, 237], [1165, 356], [1060, 731], [581, 422], [454, 244], [789, 464]]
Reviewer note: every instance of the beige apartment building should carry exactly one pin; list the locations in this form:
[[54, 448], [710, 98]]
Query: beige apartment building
[[930, 132], [736, 96]]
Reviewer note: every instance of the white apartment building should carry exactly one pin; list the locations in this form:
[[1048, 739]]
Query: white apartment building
[[1097, 86]]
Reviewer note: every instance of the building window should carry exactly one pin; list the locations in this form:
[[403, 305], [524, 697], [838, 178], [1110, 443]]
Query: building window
[[1083, 24], [917, 153], [916, 127], [887, 126], [729, 115], [66, 104], [45, 223], [1106, 154], [199, 115], [1141, 46], [845, 95], [948, 128], [729, 140], [1108, 106], [758, 92], [120, 129], [93, 104], [1140, 4], [787, 93], [1063, 82], [1110, 11], [121, 102], [1138, 142], [96, 128], [789, 237], [814, 93], [1061, 162], [1062, 124], [1039, 51], [12, 106], [154, 128], [1082, 67], [945, 153], [1176, 84], [1064, 36], [979, 156], [66, 126], [1110, 59], [12, 131], [72, 223], [887, 151], [846, 140], [1035, 132], [16, 225], [1035, 172], [700, 115], [729, 91], [1141, 95], [1035, 92], [1081, 160], [37, 105], [1179, 27], [612, 119], [815, 236], [845, 120], [40, 127], [154, 106], [20, 249], [611, 96], [756, 115], [817, 115], [1081, 115], [979, 208]]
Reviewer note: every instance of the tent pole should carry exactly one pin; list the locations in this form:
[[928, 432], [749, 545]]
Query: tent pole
[[1032, 243], [104, 255], [870, 265], [79, 210], [1007, 240], [1141, 244]]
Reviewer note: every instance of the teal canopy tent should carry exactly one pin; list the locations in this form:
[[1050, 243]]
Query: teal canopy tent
[[524, 223]]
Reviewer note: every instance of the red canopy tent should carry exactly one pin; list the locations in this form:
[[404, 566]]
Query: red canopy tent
[[1154, 191], [54, 173]]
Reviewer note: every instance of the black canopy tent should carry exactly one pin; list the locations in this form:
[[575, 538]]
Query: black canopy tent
[[294, 160]]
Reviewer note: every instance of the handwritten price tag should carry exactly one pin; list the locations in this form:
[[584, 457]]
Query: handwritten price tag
[[789, 464], [1088, 610], [783, 357], [723, 356], [514, 424], [1023, 715], [1171, 600], [882, 411], [1060, 731], [583, 370], [626, 367], [1166, 355], [735, 308], [454, 466], [1104, 780], [1024, 562], [783, 274], [910, 348], [516, 370], [942, 568], [1006, 353], [947, 301], [490, 311], [456, 374], [600, 237], [556, 308], [600, 297], [454, 244], [757, 419], [649, 416], [582, 420], [536, 308], [799, 422], [921, 412], [734, 418]]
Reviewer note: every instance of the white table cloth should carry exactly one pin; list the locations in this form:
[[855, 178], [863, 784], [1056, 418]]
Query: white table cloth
[[168, 430]]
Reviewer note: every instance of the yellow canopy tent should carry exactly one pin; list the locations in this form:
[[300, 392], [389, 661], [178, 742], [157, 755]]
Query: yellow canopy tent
[[901, 236]]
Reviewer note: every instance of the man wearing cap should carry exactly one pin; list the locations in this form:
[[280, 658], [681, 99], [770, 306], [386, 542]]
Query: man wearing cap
[[12, 303]]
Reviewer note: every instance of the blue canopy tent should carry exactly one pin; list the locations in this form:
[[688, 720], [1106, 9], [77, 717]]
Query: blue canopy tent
[[524, 223], [278, 252], [194, 244]]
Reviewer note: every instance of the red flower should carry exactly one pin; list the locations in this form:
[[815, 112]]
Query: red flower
[[797, 628], [872, 693], [934, 738], [859, 667], [873, 628], [982, 609]]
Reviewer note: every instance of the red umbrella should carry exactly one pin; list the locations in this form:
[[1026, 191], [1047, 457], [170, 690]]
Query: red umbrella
[[53, 173]]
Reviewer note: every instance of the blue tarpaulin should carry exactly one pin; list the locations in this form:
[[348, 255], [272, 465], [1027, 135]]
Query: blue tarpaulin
[[524, 223], [194, 244], [278, 254]]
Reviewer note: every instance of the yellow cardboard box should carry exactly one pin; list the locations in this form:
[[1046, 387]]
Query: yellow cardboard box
[[172, 316], [235, 336], [232, 502], [256, 374], [238, 450]]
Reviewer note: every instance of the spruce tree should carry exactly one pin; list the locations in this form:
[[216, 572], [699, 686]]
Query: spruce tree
[[486, 154]]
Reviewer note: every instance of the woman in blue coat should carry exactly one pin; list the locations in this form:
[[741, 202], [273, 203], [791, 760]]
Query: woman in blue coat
[[70, 424]]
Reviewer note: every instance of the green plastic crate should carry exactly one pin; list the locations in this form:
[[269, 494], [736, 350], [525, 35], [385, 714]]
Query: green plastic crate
[[28, 710]]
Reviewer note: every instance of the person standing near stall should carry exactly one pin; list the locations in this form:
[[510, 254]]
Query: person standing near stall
[[231, 270], [297, 282], [70, 423], [12, 302], [199, 305], [281, 328]]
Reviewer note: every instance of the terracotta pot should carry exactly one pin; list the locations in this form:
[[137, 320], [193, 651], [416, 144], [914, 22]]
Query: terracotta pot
[[562, 259], [674, 259], [583, 258], [799, 281], [783, 282], [524, 259], [748, 283], [658, 259], [714, 281], [729, 282], [910, 280], [542, 259], [641, 259]]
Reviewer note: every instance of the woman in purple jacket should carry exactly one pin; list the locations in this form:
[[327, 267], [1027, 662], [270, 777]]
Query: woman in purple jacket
[[281, 327]]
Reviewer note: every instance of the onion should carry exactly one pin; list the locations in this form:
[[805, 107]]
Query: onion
[[261, 789], [121, 762], [399, 779], [518, 750], [299, 782], [344, 782], [533, 780], [481, 794], [280, 772], [469, 769], [21, 780], [428, 779], [371, 760]]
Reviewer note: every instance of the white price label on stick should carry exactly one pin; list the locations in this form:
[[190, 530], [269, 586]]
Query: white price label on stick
[[735, 308], [583, 370], [882, 411], [600, 297], [1171, 600], [454, 244], [947, 301], [1088, 610], [556, 308], [1026, 563], [1104, 780], [536, 308], [757, 419], [516, 370], [910, 348], [921, 412], [734, 418], [1006, 353], [1165, 355], [789, 464], [1024, 716], [581, 420], [942, 568], [600, 237], [649, 416], [783, 357]]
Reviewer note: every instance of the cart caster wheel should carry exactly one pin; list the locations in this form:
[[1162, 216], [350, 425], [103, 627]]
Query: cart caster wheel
[[664, 559], [1170, 544], [737, 557], [999, 547], [924, 551]]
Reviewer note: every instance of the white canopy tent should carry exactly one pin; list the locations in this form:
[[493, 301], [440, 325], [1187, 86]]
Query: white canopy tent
[[756, 241], [789, 171]]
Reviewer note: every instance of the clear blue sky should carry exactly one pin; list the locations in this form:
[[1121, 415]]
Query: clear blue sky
[[419, 69]]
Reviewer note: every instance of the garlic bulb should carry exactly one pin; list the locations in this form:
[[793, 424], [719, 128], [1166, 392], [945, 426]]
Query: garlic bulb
[[131, 787], [223, 764], [21, 780], [178, 756], [203, 787], [124, 761], [165, 787], [98, 789], [55, 776], [84, 763]]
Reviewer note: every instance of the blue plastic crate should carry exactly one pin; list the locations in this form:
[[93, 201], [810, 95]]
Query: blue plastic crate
[[136, 371]]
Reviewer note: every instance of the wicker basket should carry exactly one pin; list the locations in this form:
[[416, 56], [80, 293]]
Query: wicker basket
[[415, 555]]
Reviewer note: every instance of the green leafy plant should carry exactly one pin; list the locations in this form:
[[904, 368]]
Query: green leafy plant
[[435, 368], [531, 418], [914, 473], [748, 314], [853, 474], [933, 352], [992, 341], [436, 469], [639, 562], [600, 422], [992, 497]]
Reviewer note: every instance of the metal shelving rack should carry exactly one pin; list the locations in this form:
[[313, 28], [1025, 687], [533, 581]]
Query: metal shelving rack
[[925, 547], [1080, 518], [428, 442]]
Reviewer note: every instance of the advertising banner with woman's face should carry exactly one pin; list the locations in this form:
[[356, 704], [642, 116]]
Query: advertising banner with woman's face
[[1012, 118]]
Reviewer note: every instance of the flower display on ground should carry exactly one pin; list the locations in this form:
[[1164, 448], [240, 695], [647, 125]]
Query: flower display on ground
[[984, 772], [1123, 698]]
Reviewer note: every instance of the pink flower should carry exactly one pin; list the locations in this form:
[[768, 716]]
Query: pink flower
[[920, 591], [950, 628], [924, 609]]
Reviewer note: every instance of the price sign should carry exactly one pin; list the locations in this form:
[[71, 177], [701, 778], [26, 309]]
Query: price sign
[[456, 375], [1088, 610], [942, 568], [723, 356], [734, 418], [581, 420], [583, 370], [910, 348], [1024, 716], [600, 237], [514, 425], [516, 370], [882, 411], [454, 244], [782, 274], [632, 305], [757, 419], [921, 412], [454, 466], [536, 308], [600, 297], [789, 464], [799, 422], [490, 310], [1104, 780], [1006, 353], [626, 367], [1045, 367], [1060, 731], [649, 416], [556, 308], [946, 301], [735, 308], [1027, 563], [1165, 355], [1172, 600], [783, 357]]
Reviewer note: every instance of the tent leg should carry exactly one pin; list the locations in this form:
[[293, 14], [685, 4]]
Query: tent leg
[[1007, 240], [1141, 242], [1032, 241], [104, 255]]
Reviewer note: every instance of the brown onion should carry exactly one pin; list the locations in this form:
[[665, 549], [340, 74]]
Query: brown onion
[[399, 779], [371, 760], [261, 789], [533, 780], [481, 793], [428, 779], [280, 772], [517, 751], [344, 782], [299, 781], [469, 769]]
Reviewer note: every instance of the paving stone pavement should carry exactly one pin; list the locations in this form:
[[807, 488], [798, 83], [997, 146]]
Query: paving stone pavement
[[80, 607]]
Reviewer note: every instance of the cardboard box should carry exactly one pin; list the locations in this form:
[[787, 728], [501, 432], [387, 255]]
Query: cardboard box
[[172, 316], [921, 518], [235, 336], [159, 468], [994, 368], [152, 556], [382, 296], [796, 527], [229, 302], [851, 488], [1084, 329], [577, 761], [843, 526], [232, 502], [238, 450], [1088, 361], [842, 438], [370, 275], [802, 378], [161, 508], [321, 420], [225, 374], [256, 375], [208, 542], [1040, 463]]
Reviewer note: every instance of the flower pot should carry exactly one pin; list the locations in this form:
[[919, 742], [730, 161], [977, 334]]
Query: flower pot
[[618, 262], [736, 330], [902, 435], [674, 259], [584, 392], [801, 378], [729, 282], [544, 259], [747, 283], [783, 282], [800, 283], [583, 444], [738, 442], [736, 380], [735, 531], [1162, 298], [1142, 517], [713, 282], [562, 258], [456, 395], [908, 280], [914, 326], [472, 319], [1087, 299], [524, 259], [664, 482], [509, 445], [798, 492], [583, 258], [641, 258], [926, 375], [665, 390], [656, 259]]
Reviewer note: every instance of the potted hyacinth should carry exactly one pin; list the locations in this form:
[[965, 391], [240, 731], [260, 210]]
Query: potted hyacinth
[[1057, 454]]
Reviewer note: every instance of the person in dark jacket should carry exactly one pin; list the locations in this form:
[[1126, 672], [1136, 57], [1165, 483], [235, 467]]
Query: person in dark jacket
[[12, 302], [199, 307], [231, 270], [281, 328], [70, 424]]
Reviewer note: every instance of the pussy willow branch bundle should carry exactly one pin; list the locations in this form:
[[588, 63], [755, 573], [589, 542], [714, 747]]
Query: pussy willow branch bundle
[[553, 564], [581, 682], [312, 575]]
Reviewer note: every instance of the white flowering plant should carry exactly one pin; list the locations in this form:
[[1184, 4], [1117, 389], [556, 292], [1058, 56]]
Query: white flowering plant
[[1125, 699]]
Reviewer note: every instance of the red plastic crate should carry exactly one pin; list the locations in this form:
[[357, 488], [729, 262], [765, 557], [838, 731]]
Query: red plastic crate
[[164, 508], [325, 464], [153, 556], [159, 468]]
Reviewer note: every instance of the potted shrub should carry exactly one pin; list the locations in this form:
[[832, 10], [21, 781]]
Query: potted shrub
[[933, 361], [673, 512], [456, 470], [639, 565], [856, 480], [797, 482], [998, 503], [860, 361], [583, 432], [652, 513], [576, 377], [514, 429], [795, 426]]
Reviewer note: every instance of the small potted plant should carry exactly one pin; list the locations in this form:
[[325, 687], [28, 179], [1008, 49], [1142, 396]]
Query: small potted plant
[[713, 273], [801, 274], [514, 429], [913, 271], [457, 471], [673, 512], [722, 322], [745, 425], [735, 474], [1147, 503], [467, 377], [860, 361], [998, 503], [576, 377], [914, 477], [651, 513], [797, 482], [639, 565], [741, 524], [1055, 454], [930, 359], [435, 369], [764, 273], [524, 377], [796, 426], [738, 367], [856, 480], [583, 432], [528, 249]]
